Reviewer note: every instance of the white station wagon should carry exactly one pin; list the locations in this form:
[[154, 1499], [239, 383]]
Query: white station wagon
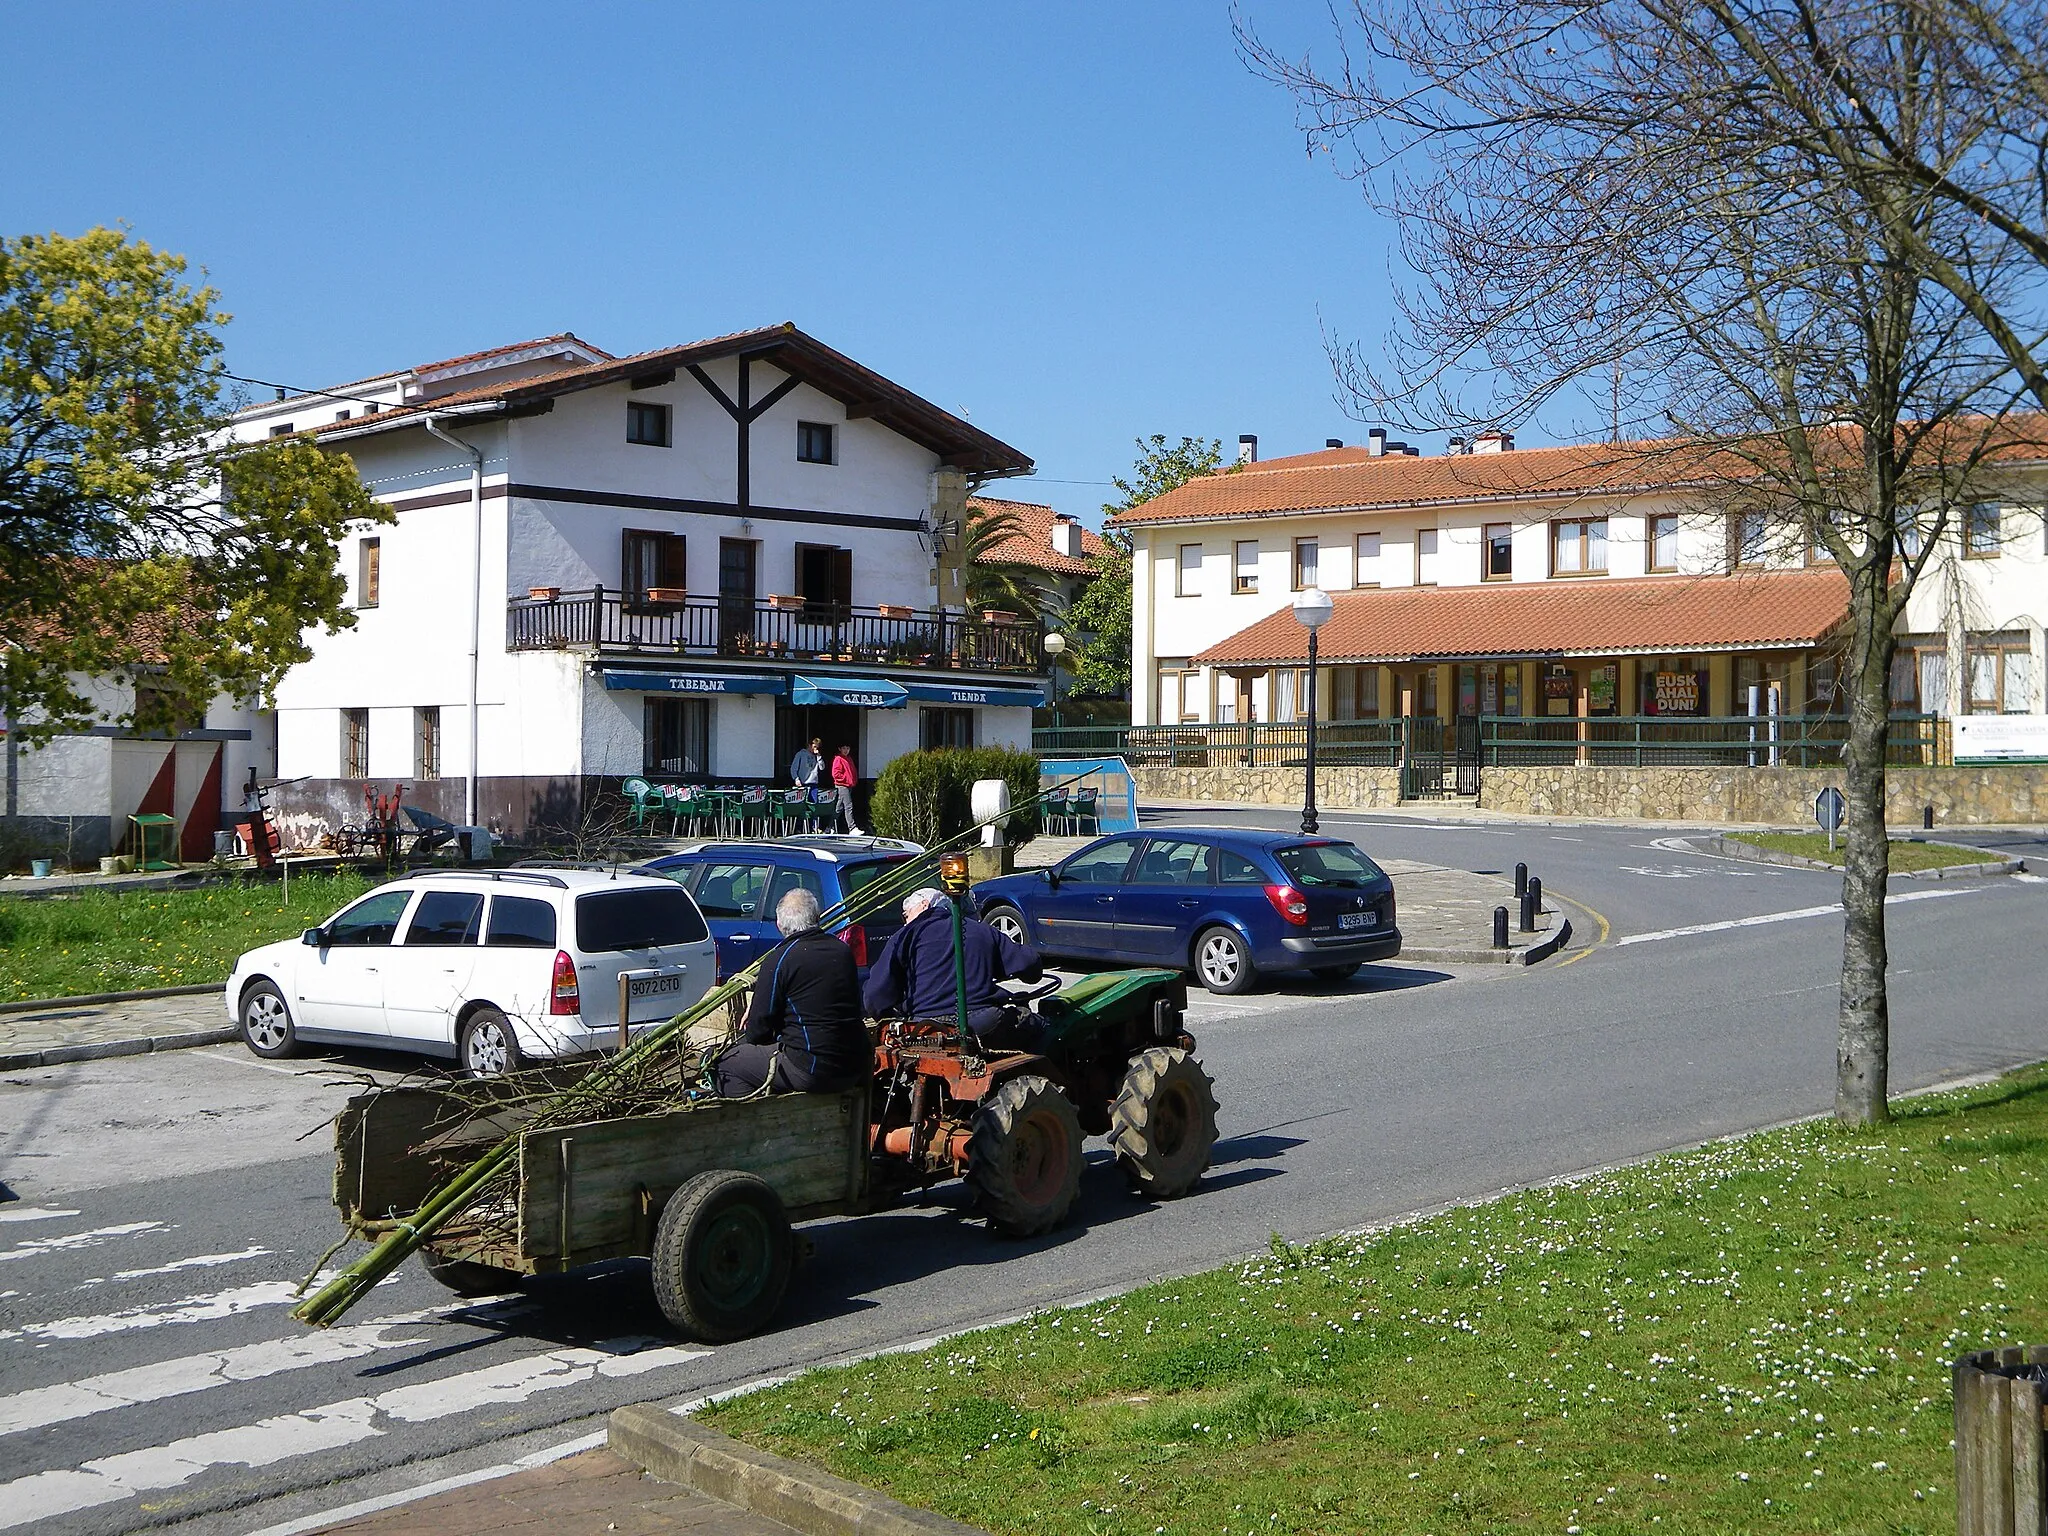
[[491, 967]]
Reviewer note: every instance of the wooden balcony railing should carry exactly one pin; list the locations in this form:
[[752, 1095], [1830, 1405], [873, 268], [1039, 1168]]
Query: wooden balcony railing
[[618, 623]]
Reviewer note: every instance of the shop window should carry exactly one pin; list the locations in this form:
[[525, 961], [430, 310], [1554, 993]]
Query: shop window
[[1983, 530], [945, 728], [369, 573], [677, 737], [355, 743], [1426, 692], [1367, 571], [1354, 693], [2001, 679], [1306, 564], [1578, 546], [1824, 686], [1664, 543], [1187, 571], [1245, 566], [1425, 557], [651, 560], [1290, 694], [427, 741], [1500, 551], [647, 423], [1672, 685]]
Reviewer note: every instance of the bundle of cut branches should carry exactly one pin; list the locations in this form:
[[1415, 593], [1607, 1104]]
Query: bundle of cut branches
[[658, 1073]]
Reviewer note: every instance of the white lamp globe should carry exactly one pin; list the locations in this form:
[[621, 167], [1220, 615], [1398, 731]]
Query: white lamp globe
[[1055, 643], [1313, 608]]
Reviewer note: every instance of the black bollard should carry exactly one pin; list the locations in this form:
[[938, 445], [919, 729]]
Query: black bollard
[[1521, 880], [1528, 913], [1500, 927], [1535, 894], [1927, 817]]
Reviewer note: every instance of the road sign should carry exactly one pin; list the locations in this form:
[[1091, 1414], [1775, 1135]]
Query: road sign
[[1827, 811]]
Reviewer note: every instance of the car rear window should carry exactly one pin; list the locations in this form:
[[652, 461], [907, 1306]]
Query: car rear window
[[520, 922], [639, 918], [1309, 865]]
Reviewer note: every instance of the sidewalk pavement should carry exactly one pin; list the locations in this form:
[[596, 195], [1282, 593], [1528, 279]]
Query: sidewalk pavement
[[46, 1035]]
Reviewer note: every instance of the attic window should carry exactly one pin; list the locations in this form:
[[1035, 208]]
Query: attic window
[[282, 429], [647, 423], [814, 443]]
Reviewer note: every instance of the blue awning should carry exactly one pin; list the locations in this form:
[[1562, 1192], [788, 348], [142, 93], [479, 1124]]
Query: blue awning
[[867, 692], [693, 682], [968, 694]]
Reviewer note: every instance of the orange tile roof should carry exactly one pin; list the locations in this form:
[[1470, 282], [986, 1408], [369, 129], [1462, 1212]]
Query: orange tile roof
[[1342, 479], [1587, 616], [516, 346], [1032, 543]]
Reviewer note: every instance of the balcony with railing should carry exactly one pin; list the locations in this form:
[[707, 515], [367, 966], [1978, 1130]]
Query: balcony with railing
[[646, 626]]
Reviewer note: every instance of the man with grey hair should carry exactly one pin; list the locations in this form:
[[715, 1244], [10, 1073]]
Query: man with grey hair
[[804, 1032], [914, 976]]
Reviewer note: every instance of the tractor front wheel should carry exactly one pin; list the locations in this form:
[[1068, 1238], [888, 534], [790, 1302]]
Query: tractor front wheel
[[1024, 1160], [722, 1256], [1164, 1123]]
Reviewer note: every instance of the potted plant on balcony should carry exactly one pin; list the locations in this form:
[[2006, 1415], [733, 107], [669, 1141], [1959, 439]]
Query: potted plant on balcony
[[785, 602], [668, 594], [997, 616], [544, 594], [895, 610]]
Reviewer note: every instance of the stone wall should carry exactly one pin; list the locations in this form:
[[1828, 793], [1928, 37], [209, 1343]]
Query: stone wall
[[1337, 788], [1771, 796]]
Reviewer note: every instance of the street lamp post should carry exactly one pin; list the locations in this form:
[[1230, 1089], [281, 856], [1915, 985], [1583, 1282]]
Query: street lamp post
[[1313, 609], [1055, 644]]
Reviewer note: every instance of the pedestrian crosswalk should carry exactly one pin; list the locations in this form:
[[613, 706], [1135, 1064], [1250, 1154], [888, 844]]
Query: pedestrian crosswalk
[[130, 1397]]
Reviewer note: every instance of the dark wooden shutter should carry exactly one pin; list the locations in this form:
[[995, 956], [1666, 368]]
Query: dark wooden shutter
[[842, 577]]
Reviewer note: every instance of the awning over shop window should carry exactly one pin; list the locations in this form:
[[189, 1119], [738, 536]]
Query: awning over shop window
[[692, 682], [867, 692], [966, 694]]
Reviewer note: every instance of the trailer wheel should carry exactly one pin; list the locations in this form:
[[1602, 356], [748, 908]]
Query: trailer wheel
[[1024, 1159], [1164, 1122], [466, 1278], [722, 1256]]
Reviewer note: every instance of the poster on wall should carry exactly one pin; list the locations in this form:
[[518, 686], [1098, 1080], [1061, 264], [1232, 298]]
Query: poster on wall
[[1468, 690], [1601, 685], [1678, 693], [1489, 689], [1511, 692]]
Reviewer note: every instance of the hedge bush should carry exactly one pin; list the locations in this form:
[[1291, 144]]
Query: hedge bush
[[928, 796]]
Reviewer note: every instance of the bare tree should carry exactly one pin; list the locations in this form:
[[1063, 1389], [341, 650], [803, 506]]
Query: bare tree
[[1653, 203]]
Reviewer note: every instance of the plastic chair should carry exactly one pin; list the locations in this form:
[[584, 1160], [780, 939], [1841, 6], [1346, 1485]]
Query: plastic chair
[[1058, 812], [754, 810], [682, 808], [790, 808], [1082, 809], [638, 792], [824, 809]]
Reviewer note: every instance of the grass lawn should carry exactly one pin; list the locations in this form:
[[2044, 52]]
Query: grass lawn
[[1751, 1337], [1905, 856], [116, 941]]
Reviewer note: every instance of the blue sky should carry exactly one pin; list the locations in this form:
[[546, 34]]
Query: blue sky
[[1076, 223]]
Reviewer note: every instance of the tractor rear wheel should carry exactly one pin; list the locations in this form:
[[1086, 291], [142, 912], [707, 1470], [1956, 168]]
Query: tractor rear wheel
[[722, 1256], [1024, 1159], [1164, 1122]]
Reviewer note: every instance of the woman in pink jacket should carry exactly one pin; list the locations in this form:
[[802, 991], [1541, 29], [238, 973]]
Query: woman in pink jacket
[[845, 774]]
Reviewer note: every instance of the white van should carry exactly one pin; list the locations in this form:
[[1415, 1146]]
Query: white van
[[492, 967]]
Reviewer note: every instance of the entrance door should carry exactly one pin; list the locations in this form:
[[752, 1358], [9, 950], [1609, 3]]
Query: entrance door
[[838, 724], [738, 569]]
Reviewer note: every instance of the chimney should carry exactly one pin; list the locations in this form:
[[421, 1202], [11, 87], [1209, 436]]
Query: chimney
[[280, 391], [1247, 448], [1066, 536], [1376, 443], [1457, 445], [1333, 442], [1494, 442]]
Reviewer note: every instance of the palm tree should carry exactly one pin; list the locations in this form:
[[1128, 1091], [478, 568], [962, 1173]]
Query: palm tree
[[1021, 589]]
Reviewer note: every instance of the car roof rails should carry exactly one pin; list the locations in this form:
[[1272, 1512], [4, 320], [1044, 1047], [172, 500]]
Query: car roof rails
[[535, 876]]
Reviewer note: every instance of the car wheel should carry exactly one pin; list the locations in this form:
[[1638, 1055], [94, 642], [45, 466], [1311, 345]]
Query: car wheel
[[1223, 962], [1008, 922], [489, 1048], [1336, 972], [267, 1022]]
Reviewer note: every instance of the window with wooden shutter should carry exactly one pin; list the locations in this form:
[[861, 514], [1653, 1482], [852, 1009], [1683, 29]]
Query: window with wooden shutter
[[653, 563]]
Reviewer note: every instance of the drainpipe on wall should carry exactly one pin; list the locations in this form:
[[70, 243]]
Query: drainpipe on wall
[[476, 601]]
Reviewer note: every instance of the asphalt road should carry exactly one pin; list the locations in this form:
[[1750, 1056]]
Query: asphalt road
[[149, 1374]]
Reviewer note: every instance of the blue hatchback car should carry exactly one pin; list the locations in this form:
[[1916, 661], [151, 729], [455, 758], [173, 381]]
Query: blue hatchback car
[[737, 884], [1226, 903]]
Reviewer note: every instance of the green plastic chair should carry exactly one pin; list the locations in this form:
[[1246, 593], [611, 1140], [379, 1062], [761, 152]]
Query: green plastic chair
[[638, 792], [791, 808], [1058, 812], [1081, 809]]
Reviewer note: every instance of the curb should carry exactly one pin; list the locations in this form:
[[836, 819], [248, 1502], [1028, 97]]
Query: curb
[[88, 999], [1550, 946], [804, 1498], [1981, 869], [1458, 956], [99, 1050]]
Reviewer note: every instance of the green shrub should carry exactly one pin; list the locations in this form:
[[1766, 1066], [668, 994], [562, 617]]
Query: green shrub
[[928, 796]]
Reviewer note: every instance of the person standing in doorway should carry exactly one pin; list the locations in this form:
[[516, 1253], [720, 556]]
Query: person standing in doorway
[[845, 774], [807, 768]]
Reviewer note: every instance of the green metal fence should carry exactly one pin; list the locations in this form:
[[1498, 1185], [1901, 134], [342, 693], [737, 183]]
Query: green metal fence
[[1659, 741], [1339, 743]]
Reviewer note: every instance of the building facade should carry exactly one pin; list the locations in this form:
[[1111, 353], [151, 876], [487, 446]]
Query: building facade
[[679, 565], [1589, 580]]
